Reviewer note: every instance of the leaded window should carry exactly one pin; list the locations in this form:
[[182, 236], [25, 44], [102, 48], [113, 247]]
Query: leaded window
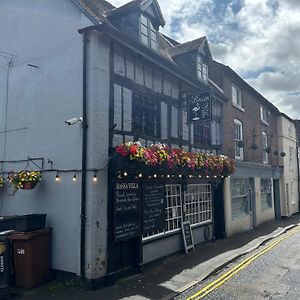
[[146, 116], [148, 33], [194, 205], [198, 206], [239, 197], [202, 134], [216, 123], [202, 70]]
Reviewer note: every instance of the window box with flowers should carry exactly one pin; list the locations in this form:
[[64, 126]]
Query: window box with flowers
[[160, 155], [25, 180]]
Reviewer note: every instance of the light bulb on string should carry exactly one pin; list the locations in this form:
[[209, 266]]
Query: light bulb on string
[[57, 178], [95, 178], [140, 175], [125, 174], [74, 177]]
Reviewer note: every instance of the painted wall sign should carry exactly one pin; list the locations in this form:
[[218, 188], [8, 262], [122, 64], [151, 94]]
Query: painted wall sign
[[199, 106], [187, 234], [154, 207], [127, 210]]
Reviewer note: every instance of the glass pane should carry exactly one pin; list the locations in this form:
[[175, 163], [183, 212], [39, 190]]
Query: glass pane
[[144, 30], [144, 20], [144, 39]]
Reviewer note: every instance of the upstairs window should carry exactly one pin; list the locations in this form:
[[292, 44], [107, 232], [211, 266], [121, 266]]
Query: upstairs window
[[148, 33], [265, 148], [291, 158], [146, 116], [202, 70], [202, 134], [264, 115], [238, 139], [290, 130], [236, 95]]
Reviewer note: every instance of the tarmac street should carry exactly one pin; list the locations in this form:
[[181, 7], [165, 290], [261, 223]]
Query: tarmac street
[[273, 274], [270, 272]]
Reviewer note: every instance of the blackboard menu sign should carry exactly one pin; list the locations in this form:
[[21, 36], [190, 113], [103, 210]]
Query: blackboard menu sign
[[127, 210], [187, 236], [154, 207]]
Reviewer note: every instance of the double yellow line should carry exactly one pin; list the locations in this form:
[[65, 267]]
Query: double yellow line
[[221, 280]]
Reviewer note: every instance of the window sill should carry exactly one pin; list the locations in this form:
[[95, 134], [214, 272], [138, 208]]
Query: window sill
[[238, 107], [264, 122], [239, 158]]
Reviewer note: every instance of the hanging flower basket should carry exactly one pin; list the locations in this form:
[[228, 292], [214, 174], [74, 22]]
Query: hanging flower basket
[[177, 158], [25, 180], [2, 181]]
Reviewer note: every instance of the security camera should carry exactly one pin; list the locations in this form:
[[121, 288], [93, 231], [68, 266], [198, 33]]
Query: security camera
[[73, 121]]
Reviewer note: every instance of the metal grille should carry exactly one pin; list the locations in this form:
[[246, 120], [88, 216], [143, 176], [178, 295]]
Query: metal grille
[[198, 206]]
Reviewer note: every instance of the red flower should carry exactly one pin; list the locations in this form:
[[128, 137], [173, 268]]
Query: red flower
[[133, 149], [122, 150]]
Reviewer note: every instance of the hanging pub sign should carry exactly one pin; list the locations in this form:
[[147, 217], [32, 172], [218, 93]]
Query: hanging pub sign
[[199, 106], [127, 210], [154, 210]]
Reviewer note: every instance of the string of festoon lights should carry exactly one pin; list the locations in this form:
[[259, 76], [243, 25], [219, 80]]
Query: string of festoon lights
[[58, 172], [141, 175]]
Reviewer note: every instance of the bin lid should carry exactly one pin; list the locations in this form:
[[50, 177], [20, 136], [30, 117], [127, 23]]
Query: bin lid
[[6, 232], [30, 235]]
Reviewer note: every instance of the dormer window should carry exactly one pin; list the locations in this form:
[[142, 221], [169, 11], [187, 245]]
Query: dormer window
[[148, 33], [202, 70]]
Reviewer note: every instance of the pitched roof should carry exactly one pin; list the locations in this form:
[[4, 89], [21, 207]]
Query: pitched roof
[[187, 47], [142, 4], [219, 66], [95, 9]]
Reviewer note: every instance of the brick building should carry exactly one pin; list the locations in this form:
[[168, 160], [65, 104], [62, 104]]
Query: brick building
[[250, 137]]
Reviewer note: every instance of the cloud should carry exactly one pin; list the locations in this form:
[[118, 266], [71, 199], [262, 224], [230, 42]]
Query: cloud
[[259, 39]]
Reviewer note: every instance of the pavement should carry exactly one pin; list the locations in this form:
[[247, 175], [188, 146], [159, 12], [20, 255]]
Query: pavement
[[168, 277]]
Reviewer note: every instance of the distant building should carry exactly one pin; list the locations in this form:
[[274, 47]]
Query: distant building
[[287, 141], [250, 131]]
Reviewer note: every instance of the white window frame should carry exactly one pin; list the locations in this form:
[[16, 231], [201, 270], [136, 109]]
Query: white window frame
[[291, 158], [266, 193], [264, 115], [241, 200], [290, 130], [236, 96], [194, 205], [148, 34], [265, 145], [198, 203], [202, 69], [238, 137]]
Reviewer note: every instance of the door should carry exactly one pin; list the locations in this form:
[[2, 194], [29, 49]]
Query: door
[[252, 202], [276, 192], [219, 213]]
